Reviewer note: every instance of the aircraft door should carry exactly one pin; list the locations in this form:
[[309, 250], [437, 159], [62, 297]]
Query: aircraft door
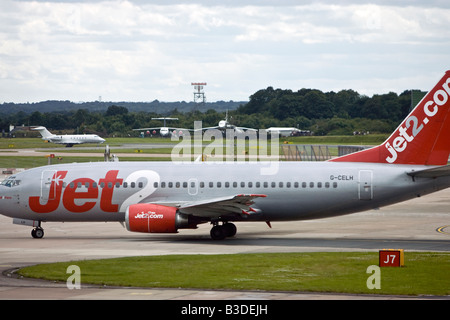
[[365, 185], [47, 193], [193, 187]]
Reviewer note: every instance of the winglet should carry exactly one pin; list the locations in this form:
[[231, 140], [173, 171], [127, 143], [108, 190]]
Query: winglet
[[422, 138]]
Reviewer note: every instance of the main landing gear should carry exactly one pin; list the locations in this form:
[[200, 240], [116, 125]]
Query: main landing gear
[[220, 232]]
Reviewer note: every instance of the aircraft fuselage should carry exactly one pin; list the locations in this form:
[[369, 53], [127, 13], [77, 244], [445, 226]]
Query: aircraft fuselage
[[294, 191]]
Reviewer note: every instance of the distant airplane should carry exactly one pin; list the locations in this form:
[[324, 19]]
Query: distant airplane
[[224, 125], [163, 197], [164, 131], [286, 132], [68, 139]]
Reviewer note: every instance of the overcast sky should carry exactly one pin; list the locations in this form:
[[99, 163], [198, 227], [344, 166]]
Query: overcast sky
[[140, 50]]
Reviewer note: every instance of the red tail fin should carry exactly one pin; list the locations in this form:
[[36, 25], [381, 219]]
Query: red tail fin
[[423, 137]]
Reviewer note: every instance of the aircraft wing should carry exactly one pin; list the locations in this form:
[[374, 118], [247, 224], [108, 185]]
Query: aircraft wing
[[235, 128], [435, 172], [154, 128], [159, 128], [238, 204], [246, 129], [206, 128]]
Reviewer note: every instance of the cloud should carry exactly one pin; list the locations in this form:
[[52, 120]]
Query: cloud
[[140, 51]]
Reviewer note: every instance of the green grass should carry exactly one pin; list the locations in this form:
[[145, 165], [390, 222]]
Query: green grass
[[31, 162], [24, 143], [423, 274], [14, 160]]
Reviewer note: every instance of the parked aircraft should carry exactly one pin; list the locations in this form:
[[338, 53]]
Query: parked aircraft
[[224, 125], [163, 197], [68, 139], [286, 131], [164, 131]]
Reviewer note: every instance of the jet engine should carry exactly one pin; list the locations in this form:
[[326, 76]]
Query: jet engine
[[154, 218]]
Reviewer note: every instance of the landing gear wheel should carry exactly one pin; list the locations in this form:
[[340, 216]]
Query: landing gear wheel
[[37, 233], [221, 232], [218, 233], [230, 229]]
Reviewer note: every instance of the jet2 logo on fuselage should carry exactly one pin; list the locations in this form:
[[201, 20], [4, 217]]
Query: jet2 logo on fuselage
[[78, 201]]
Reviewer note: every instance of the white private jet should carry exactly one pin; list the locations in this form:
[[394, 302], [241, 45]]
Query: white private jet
[[68, 139]]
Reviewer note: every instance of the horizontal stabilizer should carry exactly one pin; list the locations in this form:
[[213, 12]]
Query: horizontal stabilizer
[[431, 173]]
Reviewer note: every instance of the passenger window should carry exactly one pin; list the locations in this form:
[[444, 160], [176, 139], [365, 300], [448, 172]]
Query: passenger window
[[334, 184], [202, 184], [266, 184], [133, 184], [280, 184], [258, 184], [327, 184], [303, 184], [140, 185], [185, 184], [219, 184], [295, 184], [227, 184], [250, 184], [170, 184], [177, 184], [211, 185], [311, 184], [288, 184], [125, 184], [235, 184], [155, 184], [273, 184], [319, 184]]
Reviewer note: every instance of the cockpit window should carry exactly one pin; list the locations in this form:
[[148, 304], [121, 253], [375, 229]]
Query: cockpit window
[[11, 182]]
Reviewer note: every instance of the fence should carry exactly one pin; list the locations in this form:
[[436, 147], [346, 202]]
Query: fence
[[296, 152]]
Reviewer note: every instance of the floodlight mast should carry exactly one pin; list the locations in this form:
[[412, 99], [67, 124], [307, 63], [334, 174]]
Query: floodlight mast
[[199, 94]]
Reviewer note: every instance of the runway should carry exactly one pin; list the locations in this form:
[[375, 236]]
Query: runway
[[416, 225]]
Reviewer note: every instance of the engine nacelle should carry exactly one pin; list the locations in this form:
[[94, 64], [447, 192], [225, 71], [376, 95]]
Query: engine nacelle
[[154, 218]]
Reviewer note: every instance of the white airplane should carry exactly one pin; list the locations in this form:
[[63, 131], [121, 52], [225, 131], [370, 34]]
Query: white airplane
[[284, 131], [68, 139], [224, 125], [163, 197], [164, 131]]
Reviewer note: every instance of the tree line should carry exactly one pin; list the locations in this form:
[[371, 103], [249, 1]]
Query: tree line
[[344, 112], [324, 113]]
